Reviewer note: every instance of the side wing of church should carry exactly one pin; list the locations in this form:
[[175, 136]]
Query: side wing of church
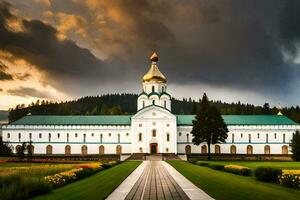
[[153, 129]]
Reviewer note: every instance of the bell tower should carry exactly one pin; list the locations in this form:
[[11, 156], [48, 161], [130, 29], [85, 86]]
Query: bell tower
[[154, 87]]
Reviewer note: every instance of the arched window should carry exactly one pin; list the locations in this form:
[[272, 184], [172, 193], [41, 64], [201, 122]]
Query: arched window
[[49, 150], [187, 138], [267, 149], [101, 138], [141, 150], [140, 137], [30, 149], [275, 136], [101, 149], [30, 136], [188, 149], [233, 149], [58, 135], [217, 149], [8, 135], [68, 150], [257, 135], [153, 88], [165, 103], [249, 137], [153, 102], [84, 150], [154, 133], [40, 135], [18, 148], [203, 149], [168, 137], [49, 137], [143, 104], [249, 150], [119, 138], [119, 149], [285, 149]]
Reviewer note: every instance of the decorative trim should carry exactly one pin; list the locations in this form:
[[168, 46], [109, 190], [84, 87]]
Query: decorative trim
[[70, 142], [241, 143]]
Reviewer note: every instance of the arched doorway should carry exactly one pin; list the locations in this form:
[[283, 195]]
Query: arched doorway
[[49, 150], [119, 150], [249, 150], [217, 149], [68, 150], [30, 149], [153, 148], [204, 149], [188, 149], [84, 150], [101, 150], [285, 149], [18, 148], [233, 149], [267, 149]]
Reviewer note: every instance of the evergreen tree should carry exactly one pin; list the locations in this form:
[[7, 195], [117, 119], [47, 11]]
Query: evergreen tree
[[295, 144], [209, 126], [5, 148]]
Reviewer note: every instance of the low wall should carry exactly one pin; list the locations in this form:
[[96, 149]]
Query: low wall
[[240, 157]]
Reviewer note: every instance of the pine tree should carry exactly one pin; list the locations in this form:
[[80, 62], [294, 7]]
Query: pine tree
[[295, 144], [208, 126]]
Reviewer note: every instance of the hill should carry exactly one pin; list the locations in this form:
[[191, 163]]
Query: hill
[[119, 104]]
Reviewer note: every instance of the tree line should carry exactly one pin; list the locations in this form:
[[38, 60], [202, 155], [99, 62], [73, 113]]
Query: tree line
[[122, 104]]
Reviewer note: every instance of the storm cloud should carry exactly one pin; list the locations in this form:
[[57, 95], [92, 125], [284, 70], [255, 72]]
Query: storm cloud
[[28, 92], [234, 44], [4, 76]]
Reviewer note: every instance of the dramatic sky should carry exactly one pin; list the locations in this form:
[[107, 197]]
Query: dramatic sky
[[231, 49]]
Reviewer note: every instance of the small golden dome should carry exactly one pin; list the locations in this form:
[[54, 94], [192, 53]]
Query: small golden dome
[[154, 74]]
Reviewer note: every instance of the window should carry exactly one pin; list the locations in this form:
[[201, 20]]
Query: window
[[275, 136], [267, 149], [153, 123], [141, 150], [232, 138], [49, 150], [187, 138], [140, 125], [153, 102], [249, 150], [168, 137], [68, 150], [217, 149], [19, 137], [84, 150], [284, 149], [8, 135], [153, 88], [283, 138], [143, 104], [140, 137], [30, 136], [241, 135], [109, 134], [40, 135], [84, 137], [154, 133], [118, 138], [165, 103], [76, 135], [92, 134], [257, 135], [179, 133], [167, 150], [101, 149], [267, 138], [101, 138], [168, 125], [58, 135], [127, 134], [49, 137], [233, 149], [249, 137], [67, 137]]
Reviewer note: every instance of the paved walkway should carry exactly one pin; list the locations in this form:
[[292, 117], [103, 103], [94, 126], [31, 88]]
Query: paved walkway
[[157, 180]]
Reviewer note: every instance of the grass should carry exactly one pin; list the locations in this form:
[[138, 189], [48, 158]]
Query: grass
[[253, 165], [225, 186], [98, 186]]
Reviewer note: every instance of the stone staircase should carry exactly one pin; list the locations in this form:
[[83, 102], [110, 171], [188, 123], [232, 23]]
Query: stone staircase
[[137, 156]]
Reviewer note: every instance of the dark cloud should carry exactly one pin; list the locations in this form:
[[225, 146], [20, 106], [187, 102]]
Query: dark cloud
[[4, 76], [230, 43], [28, 92], [23, 77]]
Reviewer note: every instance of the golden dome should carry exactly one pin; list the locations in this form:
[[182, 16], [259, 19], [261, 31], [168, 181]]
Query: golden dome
[[154, 74]]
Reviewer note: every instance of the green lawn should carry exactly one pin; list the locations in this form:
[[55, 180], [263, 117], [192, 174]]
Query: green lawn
[[253, 165], [226, 186], [98, 186]]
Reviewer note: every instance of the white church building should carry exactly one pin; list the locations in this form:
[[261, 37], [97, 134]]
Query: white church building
[[152, 129]]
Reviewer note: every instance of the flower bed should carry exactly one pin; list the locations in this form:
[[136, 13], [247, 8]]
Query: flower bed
[[290, 178], [237, 169]]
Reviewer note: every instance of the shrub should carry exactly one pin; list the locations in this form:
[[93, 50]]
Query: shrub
[[267, 174], [87, 172], [201, 163], [216, 166], [237, 169], [290, 178]]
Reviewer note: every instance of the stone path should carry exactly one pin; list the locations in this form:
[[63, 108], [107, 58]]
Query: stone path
[[156, 183]]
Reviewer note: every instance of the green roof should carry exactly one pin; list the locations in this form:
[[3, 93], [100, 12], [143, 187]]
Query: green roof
[[74, 120], [243, 120], [126, 120]]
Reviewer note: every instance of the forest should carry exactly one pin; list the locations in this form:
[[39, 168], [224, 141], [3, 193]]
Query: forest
[[124, 104]]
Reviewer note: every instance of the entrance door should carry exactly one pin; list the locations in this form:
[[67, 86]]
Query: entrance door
[[153, 148]]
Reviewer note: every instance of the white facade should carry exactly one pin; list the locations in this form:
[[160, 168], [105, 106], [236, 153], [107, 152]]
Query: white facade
[[153, 129]]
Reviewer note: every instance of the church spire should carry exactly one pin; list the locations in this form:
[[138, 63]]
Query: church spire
[[154, 75]]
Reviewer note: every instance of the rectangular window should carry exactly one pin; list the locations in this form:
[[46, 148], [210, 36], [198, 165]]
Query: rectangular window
[[49, 137], [118, 138], [249, 137], [257, 135], [58, 135], [168, 137], [275, 136], [101, 138], [187, 138], [30, 136], [84, 137], [283, 138], [40, 135], [232, 138], [267, 138], [67, 137], [19, 137], [241, 135], [8, 135]]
